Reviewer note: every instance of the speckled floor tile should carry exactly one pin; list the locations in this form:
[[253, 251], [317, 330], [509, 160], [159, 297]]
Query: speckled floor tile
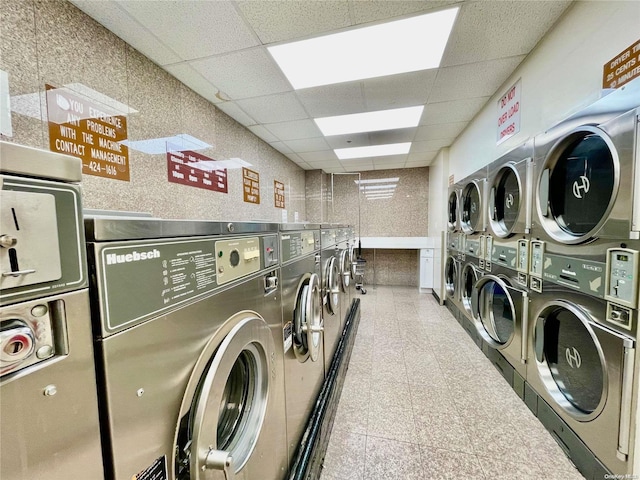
[[345, 456], [510, 470], [392, 460], [447, 464]]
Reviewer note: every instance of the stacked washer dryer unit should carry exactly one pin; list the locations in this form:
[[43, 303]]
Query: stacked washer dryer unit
[[582, 369], [302, 325], [454, 253], [188, 325], [500, 299], [331, 294], [49, 425]]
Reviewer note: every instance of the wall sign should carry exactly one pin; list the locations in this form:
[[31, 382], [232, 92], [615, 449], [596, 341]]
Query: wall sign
[[509, 113], [5, 105], [622, 68], [195, 170], [251, 185], [89, 131], [278, 194]]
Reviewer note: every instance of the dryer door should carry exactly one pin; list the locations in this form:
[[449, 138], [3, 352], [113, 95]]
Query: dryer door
[[471, 215], [307, 328], [504, 201], [496, 308], [231, 400], [332, 288], [451, 277], [470, 276], [353, 261], [345, 270], [452, 212]]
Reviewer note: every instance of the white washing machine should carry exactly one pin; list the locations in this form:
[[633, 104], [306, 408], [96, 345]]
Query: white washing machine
[[188, 325], [49, 424], [302, 325]]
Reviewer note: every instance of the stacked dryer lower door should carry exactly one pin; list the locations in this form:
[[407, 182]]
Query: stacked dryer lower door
[[189, 326], [331, 294], [49, 426], [302, 325]]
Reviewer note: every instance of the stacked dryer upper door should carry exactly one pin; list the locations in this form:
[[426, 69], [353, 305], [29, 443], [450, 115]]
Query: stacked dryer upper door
[[587, 181], [510, 183], [472, 201], [453, 208]]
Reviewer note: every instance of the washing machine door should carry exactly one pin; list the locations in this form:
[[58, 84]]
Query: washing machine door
[[353, 261], [451, 277], [496, 307], [471, 215], [578, 185], [307, 319], [504, 201], [229, 407], [452, 212], [332, 287], [470, 276], [345, 270]]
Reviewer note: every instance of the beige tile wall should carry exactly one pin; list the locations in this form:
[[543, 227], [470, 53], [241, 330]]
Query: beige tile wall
[[391, 267], [51, 41]]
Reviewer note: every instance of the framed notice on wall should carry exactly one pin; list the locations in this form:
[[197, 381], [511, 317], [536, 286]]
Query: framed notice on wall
[[90, 131], [251, 186], [622, 68], [278, 194]]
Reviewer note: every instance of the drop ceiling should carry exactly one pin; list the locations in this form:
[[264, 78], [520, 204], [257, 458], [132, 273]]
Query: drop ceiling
[[218, 48]]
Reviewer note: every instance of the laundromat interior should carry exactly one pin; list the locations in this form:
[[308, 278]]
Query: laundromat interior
[[319, 239]]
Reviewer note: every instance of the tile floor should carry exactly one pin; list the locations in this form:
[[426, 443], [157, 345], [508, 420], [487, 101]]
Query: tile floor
[[421, 401]]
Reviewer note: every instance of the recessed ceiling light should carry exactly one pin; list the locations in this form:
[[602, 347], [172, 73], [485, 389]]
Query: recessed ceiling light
[[370, 188], [373, 151], [377, 180], [370, 121], [406, 45]]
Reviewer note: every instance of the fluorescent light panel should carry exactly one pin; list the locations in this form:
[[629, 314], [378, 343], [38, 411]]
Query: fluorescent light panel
[[370, 188], [377, 180], [406, 45], [373, 151], [370, 121]]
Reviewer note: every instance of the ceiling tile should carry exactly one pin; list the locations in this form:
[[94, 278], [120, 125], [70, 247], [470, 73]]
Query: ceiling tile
[[394, 161], [489, 30], [244, 74], [281, 147], [325, 163], [358, 165], [308, 144], [473, 80], [373, 10], [371, 138], [235, 112], [215, 27], [263, 133], [298, 161], [274, 108], [422, 163], [330, 100], [421, 157], [195, 82], [430, 146], [118, 21], [439, 131], [294, 130], [275, 21], [395, 91], [452, 111], [322, 156]]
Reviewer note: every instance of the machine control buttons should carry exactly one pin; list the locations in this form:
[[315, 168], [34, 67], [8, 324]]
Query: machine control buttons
[[620, 316], [7, 241], [44, 352], [39, 310], [234, 258], [536, 258], [621, 277], [238, 257], [50, 390]]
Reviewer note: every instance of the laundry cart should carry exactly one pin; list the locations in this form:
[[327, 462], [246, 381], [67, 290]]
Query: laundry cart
[[361, 263]]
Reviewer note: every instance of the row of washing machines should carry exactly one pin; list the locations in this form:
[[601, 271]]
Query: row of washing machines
[[138, 348], [542, 271]]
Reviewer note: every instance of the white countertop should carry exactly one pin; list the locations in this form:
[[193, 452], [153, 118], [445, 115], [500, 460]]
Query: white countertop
[[406, 243]]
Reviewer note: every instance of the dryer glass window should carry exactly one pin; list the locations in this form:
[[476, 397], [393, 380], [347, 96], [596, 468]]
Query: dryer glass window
[[496, 312], [471, 208], [507, 199], [452, 210], [451, 276], [573, 359], [469, 279], [300, 320], [582, 184]]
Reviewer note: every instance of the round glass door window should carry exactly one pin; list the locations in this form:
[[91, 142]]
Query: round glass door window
[[582, 183], [495, 311], [451, 277], [573, 359], [471, 208], [506, 202], [452, 211], [469, 278]]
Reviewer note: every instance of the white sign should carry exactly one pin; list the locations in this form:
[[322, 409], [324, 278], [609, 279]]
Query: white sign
[[5, 105], [509, 113]]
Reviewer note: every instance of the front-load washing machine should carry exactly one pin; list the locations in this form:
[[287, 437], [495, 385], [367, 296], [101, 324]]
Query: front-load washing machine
[[49, 423], [352, 243], [581, 363], [189, 342], [331, 294], [344, 267], [510, 180], [302, 325]]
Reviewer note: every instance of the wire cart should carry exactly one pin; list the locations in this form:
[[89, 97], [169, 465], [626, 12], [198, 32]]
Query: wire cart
[[361, 263]]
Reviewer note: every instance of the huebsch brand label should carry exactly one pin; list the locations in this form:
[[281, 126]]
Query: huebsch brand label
[[134, 256]]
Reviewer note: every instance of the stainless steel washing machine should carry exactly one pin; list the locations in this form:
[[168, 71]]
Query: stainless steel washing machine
[[344, 267], [471, 269], [188, 321], [582, 362], [510, 181], [49, 424], [353, 247], [473, 201], [454, 208], [452, 272], [302, 325], [331, 294]]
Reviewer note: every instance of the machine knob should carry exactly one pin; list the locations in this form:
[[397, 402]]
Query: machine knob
[[7, 241]]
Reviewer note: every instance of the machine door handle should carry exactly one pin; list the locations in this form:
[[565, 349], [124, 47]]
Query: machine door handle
[[313, 328], [220, 460], [539, 339], [18, 273]]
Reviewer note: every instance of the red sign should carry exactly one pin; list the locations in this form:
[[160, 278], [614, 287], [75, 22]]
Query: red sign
[[509, 113], [89, 131], [622, 68], [191, 168], [251, 185], [278, 193]]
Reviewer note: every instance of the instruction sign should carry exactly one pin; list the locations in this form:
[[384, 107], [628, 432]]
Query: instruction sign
[[195, 170], [251, 185], [622, 68], [278, 194], [89, 131], [509, 113]]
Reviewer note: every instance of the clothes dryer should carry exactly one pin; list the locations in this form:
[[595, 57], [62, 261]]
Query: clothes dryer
[[452, 272], [331, 294], [454, 208], [473, 198], [188, 325], [49, 423], [302, 325]]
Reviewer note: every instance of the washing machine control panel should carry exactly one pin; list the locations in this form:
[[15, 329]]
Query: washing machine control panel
[[270, 252], [622, 276], [236, 258]]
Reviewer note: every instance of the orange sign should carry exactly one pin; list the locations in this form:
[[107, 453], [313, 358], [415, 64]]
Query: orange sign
[[450, 180], [251, 185], [622, 68], [86, 130], [278, 193]]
